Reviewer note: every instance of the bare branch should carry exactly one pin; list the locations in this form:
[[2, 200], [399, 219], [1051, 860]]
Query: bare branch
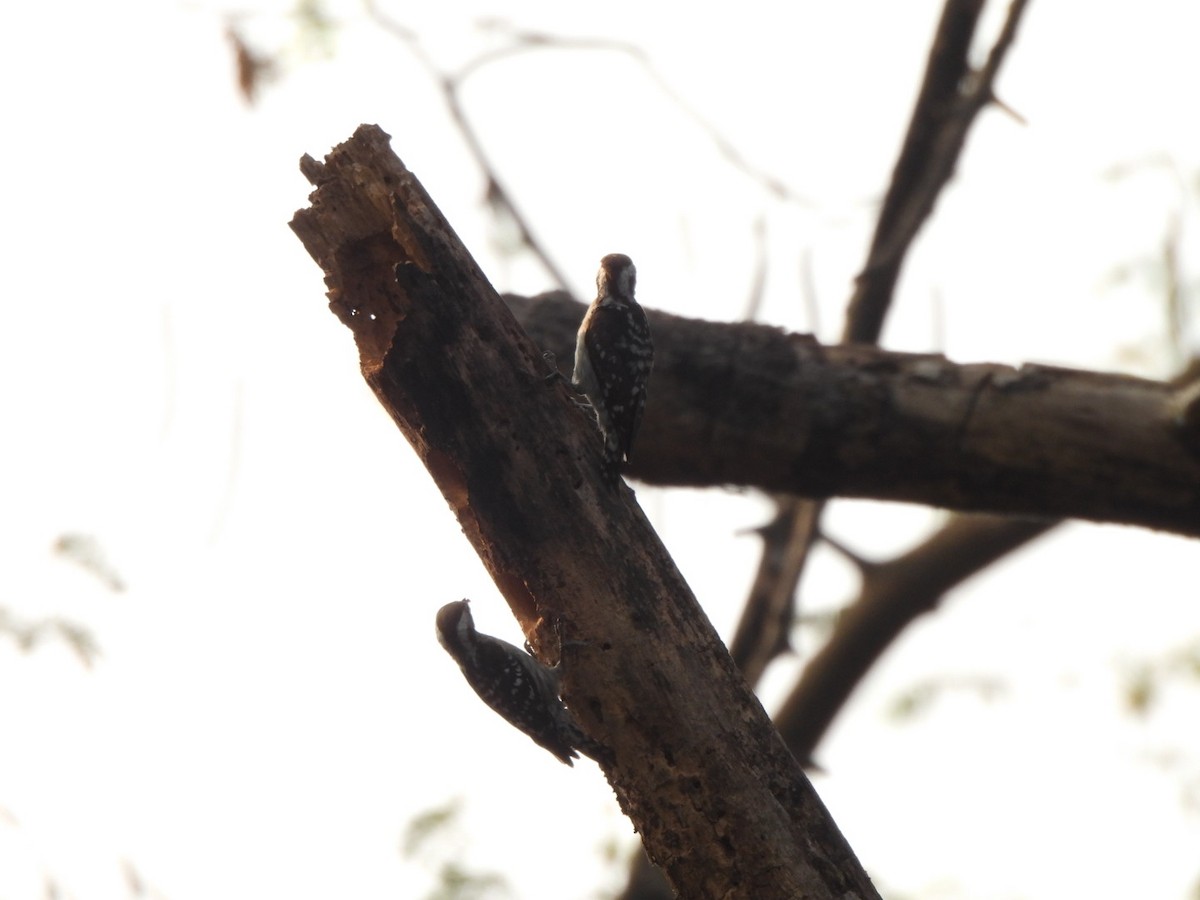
[[525, 41], [764, 630], [931, 149], [893, 594], [497, 194], [937, 134], [950, 98], [750, 405]]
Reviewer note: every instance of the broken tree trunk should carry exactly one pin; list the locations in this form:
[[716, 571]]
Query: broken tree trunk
[[720, 803]]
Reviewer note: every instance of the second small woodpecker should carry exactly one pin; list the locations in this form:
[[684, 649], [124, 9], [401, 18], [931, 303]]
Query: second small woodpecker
[[613, 358], [513, 683]]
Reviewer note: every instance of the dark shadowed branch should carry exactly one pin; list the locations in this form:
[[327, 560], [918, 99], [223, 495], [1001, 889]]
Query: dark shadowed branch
[[891, 596], [947, 105], [745, 404], [951, 96], [928, 156]]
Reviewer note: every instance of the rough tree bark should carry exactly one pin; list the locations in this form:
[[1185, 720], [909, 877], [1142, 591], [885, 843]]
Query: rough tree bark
[[747, 404], [720, 803]]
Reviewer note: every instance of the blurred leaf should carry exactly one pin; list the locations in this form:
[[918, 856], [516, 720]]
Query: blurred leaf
[[85, 551], [1186, 660], [436, 837], [254, 69], [316, 29], [913, 701], [28, 635], [459, 884], [1144, 680], [429, 824], [1141, 689], [918, 698]]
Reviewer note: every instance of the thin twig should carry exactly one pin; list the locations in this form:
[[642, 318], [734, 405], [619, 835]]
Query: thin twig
[[535, 40], [449, 85], [758, 282], [764, 630]]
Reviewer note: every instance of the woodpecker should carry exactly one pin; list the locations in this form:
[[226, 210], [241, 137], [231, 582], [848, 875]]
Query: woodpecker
[[513, 683], [613, 358]]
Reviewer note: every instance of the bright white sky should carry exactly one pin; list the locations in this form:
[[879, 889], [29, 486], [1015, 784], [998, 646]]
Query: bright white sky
[[270, 708]]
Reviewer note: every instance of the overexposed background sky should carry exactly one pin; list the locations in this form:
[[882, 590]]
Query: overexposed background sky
[[269, 708]]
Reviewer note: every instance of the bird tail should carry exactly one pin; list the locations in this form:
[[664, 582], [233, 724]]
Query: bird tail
[[614, 456]]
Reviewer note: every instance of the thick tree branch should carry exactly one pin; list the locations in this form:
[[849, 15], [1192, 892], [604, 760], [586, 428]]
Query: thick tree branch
[[930, 151], [750, 405], [896, 592], [720, 803], [928, 157]]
